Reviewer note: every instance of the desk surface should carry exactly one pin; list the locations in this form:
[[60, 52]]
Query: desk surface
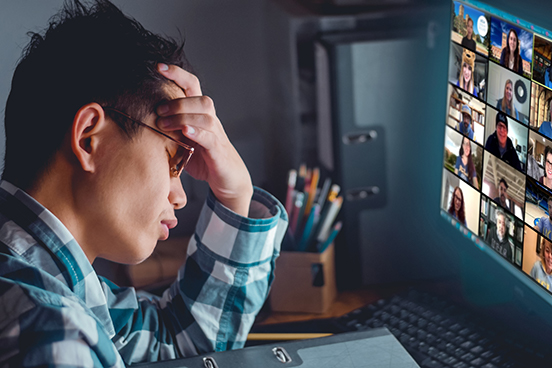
[[345, 302]]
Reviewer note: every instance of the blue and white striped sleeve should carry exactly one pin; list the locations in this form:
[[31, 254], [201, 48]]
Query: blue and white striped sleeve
[[229, 270]]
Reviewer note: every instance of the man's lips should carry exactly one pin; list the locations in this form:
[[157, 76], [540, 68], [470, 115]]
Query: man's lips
[[166, 225], [170, 223]]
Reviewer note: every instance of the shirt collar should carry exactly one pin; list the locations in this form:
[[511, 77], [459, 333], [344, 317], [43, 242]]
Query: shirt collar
[[62, 255]]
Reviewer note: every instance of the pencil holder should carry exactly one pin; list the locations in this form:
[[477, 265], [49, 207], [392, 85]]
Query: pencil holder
[[304, 282]]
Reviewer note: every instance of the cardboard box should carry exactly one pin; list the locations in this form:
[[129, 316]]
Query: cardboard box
[[304, 282]]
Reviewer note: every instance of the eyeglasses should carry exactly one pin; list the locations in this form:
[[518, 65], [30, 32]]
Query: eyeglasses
[[183, 154], [501, 126], [458, 198]]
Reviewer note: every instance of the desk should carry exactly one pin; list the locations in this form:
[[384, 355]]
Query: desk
[[345, 302]]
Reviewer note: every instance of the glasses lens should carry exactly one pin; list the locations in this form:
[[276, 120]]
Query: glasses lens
[[180, 160]]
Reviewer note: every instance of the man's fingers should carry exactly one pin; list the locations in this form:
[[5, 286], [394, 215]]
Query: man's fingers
[[179, 121], [189, 105], [185, 80]]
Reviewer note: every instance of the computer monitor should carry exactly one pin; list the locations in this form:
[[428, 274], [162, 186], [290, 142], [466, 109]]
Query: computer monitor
[[496, 184]]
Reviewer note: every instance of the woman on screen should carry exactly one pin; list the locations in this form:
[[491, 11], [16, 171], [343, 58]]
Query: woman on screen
[[456, 208], [546, 179], [464, 167], [542, 269], [510, 57], [546, 126], [465, 79], [506, 103]]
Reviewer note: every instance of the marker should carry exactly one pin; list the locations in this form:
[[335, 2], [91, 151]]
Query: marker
[[292, 180], [324, 192], [295, 211], [300, 218], [334, 192], [330, 217], [331, 238], [299, 185], [312, 190], [303, 243]]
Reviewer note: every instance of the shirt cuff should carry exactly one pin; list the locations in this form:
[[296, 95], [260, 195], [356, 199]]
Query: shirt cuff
[[242, 241]]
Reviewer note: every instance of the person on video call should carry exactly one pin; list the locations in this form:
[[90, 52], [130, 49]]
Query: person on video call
[[464, 167], [503, 198], [456, 208], [500, 145], [546, 126], [465, 126], [497, 237], [510, 57], [506, 103], [546, 179], [468, 41], [99, 123], [542, 269], [544, 225], [467, 71]]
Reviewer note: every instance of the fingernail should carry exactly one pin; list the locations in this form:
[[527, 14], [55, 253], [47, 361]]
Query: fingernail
[[163, 67], [190, 130], [162, 109]]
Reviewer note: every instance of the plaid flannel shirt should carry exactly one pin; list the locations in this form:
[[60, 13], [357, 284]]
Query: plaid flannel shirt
[[55, 311]]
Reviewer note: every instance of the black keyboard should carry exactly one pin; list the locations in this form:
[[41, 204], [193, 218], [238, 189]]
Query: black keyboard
[[437, 333]]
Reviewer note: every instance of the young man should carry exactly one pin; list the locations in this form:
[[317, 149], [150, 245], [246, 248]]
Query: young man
[[497, 238], [502, 198], [468, 41], [500, 145], [464, 127], [100, 121]]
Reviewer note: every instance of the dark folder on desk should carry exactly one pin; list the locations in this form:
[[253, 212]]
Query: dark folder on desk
[[373, 348]]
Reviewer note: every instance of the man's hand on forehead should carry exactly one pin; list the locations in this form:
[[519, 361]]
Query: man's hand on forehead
[[215, 159], [187, 81]]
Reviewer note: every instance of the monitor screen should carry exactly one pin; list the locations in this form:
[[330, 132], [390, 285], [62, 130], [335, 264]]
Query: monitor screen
[[497, 166]]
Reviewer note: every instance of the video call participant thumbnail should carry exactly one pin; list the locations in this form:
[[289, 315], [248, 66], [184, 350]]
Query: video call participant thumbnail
[[457, 207], [466, 74], [465, 168], [506, 102], [546, 126], [500, 145], [544, 224], [510, 57], [465, 126], [468, 41], [503, 198], [546, 179], [542, 269], [497, 236]]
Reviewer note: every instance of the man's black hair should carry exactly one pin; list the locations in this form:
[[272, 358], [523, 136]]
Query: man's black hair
[[87, 54], [502, 180]]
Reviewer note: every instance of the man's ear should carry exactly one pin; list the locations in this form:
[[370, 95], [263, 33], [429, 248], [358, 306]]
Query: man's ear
[[89, 121]]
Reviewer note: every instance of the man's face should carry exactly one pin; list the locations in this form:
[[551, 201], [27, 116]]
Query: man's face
[[502, 192], [501, 226], [138, 195], [502, 133], [547, 253], [467, 121], [470, 29]]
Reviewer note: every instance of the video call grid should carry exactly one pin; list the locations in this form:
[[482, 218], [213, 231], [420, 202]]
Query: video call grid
[[530, 120]]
